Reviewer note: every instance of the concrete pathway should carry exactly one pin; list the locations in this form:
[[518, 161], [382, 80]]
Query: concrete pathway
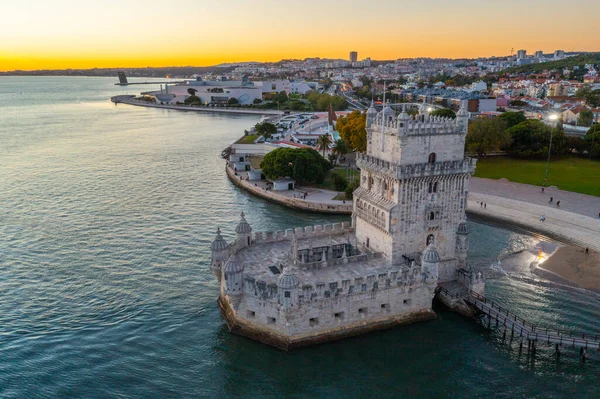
[[582, 204], [567, 226]]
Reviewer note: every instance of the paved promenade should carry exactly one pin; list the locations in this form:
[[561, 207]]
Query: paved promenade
[[522, 205], [582, 204], [129, 100], [316, 200]]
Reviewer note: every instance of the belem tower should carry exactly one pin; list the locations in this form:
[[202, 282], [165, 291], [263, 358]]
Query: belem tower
[[408, 236]]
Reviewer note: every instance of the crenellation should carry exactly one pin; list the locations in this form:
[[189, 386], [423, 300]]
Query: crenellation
[[407, 234]]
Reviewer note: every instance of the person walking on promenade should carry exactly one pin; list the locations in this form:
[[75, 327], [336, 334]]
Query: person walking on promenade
[[542, 190], [543, 218], [587, 251], [485, 205], [551, 199], [558, 204]]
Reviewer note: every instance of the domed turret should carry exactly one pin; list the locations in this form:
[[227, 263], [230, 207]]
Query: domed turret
[[287, 286], [430, 264], [233, 273], [431, 254], [243, 232], [462, 120], [463, 228], [220, 251], [371, 114], [403, 119], [219, 243]]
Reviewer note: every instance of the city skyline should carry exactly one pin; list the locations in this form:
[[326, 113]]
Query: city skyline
[[134, 33]]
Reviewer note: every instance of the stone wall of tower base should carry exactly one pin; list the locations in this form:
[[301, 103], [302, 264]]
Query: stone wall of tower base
[[257, 333]]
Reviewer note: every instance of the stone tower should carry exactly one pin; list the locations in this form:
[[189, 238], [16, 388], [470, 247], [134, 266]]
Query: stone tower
[[243, 233], [220, 252], [413, 187]]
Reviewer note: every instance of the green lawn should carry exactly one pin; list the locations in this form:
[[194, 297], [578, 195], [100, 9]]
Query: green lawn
[[247, 139], [569, 173]]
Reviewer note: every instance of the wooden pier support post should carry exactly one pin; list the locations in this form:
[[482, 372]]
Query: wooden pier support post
[[557, 351]]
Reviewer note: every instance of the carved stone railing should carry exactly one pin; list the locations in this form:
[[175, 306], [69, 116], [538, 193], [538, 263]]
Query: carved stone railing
[[466, 165], [363, 214]]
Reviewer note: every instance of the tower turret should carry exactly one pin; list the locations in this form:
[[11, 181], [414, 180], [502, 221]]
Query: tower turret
[[430, 261], [462, 120], [243, 232], [424, 111], [388, 115], [403, 120], [220, 251], [462, 245], [371, 115], [233, 274], [287, 285]]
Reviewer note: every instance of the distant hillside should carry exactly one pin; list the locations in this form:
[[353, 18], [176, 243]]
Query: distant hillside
[[570, 62]]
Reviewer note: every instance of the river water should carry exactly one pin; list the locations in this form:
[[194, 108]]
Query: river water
[[106, 215]]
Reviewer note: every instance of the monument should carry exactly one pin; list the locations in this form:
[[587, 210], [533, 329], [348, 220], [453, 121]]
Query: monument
[[408, 235]]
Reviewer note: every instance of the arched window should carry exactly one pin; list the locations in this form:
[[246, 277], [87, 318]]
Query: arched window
[[430, 239], [431, 158], [435, 187], [430, 187], [431, 216]]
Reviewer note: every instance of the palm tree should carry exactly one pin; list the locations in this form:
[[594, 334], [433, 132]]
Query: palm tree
[[323, 143], [340, 148]]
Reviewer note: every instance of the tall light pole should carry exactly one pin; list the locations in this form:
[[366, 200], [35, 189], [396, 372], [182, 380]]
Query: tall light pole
[[554, 119]]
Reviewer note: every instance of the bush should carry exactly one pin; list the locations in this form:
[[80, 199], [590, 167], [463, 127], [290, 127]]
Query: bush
[[233, 101], [339, 182]]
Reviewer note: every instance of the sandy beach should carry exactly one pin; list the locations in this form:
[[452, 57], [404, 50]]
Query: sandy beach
[[572, 264]]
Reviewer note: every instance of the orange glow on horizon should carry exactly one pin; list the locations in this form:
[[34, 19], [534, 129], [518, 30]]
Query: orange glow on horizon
[[137, 33]]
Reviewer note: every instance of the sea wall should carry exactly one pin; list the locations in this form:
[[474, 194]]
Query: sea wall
[[130, 100], [296, 203]]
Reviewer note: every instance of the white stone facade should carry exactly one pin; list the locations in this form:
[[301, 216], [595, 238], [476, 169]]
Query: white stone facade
[[314, 284]]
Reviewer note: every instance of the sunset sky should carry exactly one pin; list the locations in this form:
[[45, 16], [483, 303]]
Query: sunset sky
[[56, 34]]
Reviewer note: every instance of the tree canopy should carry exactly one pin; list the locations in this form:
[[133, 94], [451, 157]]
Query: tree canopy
[[303, 165], [323, 143], [444, 112], [265, 129], [530, 139], [487, 135], [352, 130], [512, 118], [592, 139], [320, 101], [192, 100], [585, 118], [591, 97]]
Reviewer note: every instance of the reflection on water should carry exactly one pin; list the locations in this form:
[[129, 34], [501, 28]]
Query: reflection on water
[[105, 288]]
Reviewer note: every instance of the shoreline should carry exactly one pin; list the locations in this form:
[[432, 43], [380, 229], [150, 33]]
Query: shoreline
[[128, 99], [572, 267], [294, 203]]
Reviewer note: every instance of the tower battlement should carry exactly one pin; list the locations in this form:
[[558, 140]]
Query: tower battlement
[[313, 284]]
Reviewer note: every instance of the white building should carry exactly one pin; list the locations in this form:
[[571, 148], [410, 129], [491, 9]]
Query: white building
[[408, 235]]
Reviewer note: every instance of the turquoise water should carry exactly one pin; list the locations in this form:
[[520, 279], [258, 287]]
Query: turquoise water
[[106, 214]]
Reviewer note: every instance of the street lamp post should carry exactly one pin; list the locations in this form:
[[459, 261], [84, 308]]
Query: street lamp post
[[553, 118]]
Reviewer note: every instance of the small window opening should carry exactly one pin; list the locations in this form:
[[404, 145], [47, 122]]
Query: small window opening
[[314, 321], [251, 314], [271, 320], [385, 306], [339, 315]]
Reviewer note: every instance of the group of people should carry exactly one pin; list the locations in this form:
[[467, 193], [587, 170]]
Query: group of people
[[482, 204], [303, 196], [552, 200]]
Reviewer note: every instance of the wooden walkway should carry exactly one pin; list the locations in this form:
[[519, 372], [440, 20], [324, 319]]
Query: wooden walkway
[[498, 317]]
